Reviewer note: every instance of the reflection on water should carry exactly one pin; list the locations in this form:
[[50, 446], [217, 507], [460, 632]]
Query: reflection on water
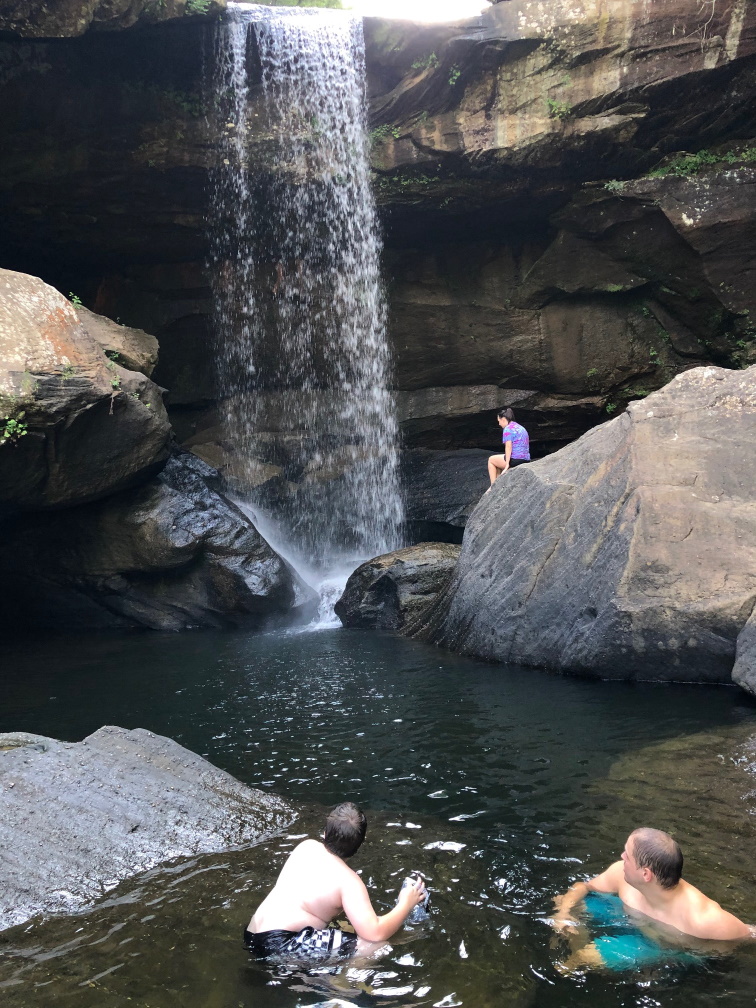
[[500, 785]]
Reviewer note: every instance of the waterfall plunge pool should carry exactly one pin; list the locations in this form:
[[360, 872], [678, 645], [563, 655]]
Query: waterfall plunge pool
[[539, 777]]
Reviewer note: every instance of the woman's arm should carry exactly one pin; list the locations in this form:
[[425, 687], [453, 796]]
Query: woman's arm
[[507, 455]]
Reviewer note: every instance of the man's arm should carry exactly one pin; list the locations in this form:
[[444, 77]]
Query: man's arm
[[720, 925], [365, 921], [607, 882]]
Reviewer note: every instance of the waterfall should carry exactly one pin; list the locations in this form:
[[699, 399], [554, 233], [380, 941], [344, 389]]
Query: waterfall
[[300, 311]]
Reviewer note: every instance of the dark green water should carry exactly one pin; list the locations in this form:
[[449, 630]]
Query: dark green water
[[539, 777]]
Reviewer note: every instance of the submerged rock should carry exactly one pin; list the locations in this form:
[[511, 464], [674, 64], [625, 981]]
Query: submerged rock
[[389, 591], [74, 425], [80, 817], [629, 554], [168, 555]]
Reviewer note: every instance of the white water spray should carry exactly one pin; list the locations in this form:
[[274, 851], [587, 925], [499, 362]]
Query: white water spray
[[304, 362]]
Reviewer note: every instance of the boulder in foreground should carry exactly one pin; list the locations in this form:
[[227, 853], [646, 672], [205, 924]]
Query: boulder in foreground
[[391, 590], [80, 817], [630, 554]]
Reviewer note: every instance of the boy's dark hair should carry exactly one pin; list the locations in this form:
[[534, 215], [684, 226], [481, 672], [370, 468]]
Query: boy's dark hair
[[654, 849], [345, 829], [507, 414]]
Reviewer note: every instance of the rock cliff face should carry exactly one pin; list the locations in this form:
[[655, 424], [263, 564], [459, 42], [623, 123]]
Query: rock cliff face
[[629, 554], [65, 18], [566, 188]]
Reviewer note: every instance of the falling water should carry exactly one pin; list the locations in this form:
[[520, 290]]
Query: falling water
[[304, 363]]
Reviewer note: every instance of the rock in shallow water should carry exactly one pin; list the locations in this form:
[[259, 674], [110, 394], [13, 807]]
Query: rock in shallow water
[[80, 817], [390, 590], [629, 554]]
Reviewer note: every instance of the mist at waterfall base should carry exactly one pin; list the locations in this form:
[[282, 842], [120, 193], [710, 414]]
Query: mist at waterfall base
[[502, 785], [300, 314]]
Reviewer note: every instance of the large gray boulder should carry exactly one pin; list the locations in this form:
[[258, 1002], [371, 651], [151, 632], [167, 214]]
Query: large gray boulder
[[171, 554], [630, 554], [74, 425], [80, 817], [396, 588]]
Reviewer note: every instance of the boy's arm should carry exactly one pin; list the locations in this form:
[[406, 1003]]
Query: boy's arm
[[362, 916]]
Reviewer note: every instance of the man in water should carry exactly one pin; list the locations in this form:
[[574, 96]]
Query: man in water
[[314, 886], [648, 880]]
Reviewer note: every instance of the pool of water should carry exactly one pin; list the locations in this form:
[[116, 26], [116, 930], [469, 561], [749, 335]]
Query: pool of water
[[535, 779]]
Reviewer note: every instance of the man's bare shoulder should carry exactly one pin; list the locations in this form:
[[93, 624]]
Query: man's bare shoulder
[[707, 919], [609, 881]]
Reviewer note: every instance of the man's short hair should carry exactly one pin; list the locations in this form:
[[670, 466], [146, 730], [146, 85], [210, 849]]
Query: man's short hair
[[658, 851], [345, 829]]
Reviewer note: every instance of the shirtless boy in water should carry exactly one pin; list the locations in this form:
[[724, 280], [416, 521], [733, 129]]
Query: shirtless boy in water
[[314, 886], [648, 879]]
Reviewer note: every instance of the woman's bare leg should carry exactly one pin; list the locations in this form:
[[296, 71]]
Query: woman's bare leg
[[496, 464]]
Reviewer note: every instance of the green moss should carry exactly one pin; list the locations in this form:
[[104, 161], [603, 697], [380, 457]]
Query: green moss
[[684, 164]]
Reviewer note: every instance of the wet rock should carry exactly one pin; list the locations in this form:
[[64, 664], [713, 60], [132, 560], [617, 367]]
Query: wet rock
[[168, 555], [392, 589], [629, 554], [744, 671], [80, 817], [74, 425]]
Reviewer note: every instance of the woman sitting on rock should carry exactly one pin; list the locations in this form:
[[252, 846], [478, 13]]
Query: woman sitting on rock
[[516, 446]]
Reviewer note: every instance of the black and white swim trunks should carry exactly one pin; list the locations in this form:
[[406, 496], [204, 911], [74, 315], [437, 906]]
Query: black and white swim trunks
[[309, 943]]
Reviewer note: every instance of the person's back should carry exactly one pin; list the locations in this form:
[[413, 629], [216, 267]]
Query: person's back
[[314, 886], [307, 892]]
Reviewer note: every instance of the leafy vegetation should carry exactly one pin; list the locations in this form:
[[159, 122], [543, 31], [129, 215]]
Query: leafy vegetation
[[381, 132], [12, 428], [198, 6], [615, 186], [454, 75], [430, 62], [610, 407], [559, 109], [692, 164], [74, 299]]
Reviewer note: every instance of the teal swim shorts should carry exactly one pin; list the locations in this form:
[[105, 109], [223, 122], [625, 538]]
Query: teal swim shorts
[[626, 947]]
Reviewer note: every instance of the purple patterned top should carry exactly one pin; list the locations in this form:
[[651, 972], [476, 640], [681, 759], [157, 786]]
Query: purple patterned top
[[519, 437]]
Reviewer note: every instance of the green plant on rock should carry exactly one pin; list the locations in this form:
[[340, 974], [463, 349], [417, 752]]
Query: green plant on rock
[[454, 74], [615, 186], [430, 62], [591, 372], [198, 6], [379, 134], [68, 371], [74, 299], [115, 380], [13, 428], [610, 407], [559, 109], [685, 164]]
